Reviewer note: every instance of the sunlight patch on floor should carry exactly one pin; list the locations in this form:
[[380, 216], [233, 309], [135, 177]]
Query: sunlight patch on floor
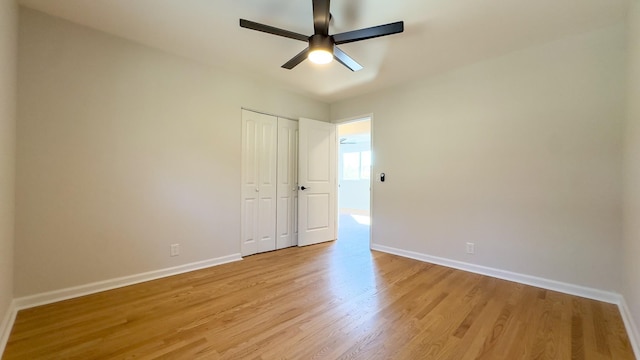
[[362, 219]]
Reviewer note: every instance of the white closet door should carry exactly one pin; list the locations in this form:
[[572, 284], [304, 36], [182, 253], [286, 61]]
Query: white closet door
[[259, 149], [287, 228]]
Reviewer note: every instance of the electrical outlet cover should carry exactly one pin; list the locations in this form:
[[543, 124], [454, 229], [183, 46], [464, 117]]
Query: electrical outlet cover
[[470, 248], [175, 249]]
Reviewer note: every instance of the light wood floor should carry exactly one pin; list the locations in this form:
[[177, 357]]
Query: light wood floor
[[330, 301]]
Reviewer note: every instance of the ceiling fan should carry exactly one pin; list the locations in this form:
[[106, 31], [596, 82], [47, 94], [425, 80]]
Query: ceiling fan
[[322, 47], [345, 141]]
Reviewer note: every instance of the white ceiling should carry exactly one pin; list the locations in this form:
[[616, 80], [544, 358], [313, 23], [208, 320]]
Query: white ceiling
[[439, 34]]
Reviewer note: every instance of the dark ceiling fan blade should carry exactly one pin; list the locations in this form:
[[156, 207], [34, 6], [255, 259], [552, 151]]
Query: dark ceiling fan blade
[[346, 60], [369, 33], [272, 30], [321, 17], [296, 59]]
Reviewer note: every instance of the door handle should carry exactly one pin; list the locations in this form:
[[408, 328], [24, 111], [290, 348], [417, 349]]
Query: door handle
[[303, 188]]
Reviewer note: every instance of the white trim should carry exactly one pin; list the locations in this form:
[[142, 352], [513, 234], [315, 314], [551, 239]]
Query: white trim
[[7, 325], [630, 325], [353, 119], [92, 288], [578, 290]]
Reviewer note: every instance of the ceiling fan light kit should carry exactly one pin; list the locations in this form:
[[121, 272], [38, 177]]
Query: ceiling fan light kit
[[322, 47], [320, 56]]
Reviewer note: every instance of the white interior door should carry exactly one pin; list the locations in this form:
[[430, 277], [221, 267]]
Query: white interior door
[[287, 228], [317, 180], [259, 146]]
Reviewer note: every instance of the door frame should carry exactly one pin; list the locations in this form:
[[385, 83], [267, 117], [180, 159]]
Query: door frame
[[371, 178]]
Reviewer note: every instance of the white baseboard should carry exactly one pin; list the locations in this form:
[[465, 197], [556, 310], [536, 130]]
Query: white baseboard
[[577, 290], [7, 325], [590, 293], [630, 325], [77, 291]]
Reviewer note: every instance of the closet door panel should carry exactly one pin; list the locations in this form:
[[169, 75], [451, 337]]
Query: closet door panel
[[250, 184], [287, 183], [269, 183], [268, 147]]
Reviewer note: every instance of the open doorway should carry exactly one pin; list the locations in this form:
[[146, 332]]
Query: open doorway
[[354, 181]]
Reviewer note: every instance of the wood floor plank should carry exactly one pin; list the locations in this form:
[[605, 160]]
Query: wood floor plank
[[336, 300], [577, 332], [616, 334]]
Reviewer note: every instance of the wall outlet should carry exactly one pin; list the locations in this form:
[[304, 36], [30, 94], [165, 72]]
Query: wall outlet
[[175, 249], [471, 248]]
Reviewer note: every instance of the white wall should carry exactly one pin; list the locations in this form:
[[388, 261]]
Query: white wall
[[519, 154], [123, 150], [8, 56], [631, 247]]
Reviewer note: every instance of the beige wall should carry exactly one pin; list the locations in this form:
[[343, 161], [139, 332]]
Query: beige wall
[[632, 170], [8, 55], [519, 154], [122, 151]]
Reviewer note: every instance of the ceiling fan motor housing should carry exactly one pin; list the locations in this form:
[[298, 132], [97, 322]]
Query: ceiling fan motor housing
[[321, 42]]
